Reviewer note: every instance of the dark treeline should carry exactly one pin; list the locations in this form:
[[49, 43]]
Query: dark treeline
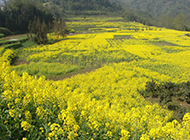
[[139, 16], [174, 14], [179, 22], [33, 18], [158, 8], [67, 8], [17, 14], [84, 5]]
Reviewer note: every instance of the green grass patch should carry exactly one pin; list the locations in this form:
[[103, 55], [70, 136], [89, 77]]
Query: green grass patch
[[82, 28], [46, 69], [13, 45], [163, 43], [28, 43], [1, 50], [164, 68], [4, 42]]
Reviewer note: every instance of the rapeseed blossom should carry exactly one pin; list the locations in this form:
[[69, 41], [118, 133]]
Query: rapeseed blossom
[[25, 125], [103, 104]]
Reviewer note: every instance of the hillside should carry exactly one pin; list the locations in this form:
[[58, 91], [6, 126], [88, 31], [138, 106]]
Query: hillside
[[82, 7], [158, 8], [172, 14]]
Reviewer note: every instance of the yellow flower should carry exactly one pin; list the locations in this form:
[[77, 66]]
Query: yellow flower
[[25, 125], [124, 135]]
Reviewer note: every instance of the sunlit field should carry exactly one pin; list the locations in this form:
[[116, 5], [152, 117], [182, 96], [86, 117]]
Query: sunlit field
[[105, 103]]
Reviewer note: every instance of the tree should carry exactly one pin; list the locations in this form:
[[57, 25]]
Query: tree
[[167, 21], [59, 28], [180, 22], [38, 31], [2, 17]]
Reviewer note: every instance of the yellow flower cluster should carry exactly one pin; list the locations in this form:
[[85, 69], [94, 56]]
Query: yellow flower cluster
[[25, 125], [104, 103], [52, 36], [104, 47], [7, 56]]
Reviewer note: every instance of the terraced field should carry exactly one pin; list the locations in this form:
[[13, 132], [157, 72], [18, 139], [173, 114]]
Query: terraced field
[[105, 103]]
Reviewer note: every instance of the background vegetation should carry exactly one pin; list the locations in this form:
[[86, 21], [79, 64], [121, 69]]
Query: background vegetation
[[165, 13]]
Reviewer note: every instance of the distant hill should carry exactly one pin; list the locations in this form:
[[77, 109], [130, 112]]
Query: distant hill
[[82, 5], [173, 14], [158, 8]]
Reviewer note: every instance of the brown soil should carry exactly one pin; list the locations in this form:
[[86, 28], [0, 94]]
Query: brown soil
[[152, 100], [163, 43], [122, 37], [20, 61], [13, 36], [176, 101]]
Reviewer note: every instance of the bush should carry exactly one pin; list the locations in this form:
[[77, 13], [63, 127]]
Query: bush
[[70, 30], [165, 91], [5, 31], [187, 35], [1, 35], [151, 88]]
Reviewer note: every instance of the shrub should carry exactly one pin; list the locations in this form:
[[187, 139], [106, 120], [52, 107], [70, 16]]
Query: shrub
[[1, 35]]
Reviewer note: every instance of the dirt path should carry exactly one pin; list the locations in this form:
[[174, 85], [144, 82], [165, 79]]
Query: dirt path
[[20, 62], [69, 75]]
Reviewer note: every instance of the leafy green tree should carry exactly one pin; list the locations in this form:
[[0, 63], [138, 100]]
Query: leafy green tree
[[18, 13], [180, 22]]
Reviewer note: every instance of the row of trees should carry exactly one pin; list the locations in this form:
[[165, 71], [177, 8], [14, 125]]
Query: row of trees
[[23, 16], [180, 22], [38, 30], [17, 14], [83, 5]]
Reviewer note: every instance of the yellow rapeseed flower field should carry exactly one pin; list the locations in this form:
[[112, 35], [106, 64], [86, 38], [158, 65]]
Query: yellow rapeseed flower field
[[105, 103]]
